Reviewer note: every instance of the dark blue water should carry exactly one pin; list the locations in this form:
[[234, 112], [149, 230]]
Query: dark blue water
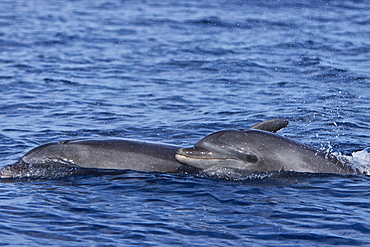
[[172, 72]]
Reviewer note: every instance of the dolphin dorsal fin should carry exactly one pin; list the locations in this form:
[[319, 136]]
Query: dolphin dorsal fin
[[272, 125]]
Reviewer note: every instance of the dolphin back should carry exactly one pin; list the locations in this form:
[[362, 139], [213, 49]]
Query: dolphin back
[[74, 156]]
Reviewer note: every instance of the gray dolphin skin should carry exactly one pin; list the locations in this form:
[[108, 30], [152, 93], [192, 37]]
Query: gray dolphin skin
[[107, 154], [67, 157], [260, 150], [256, 149]]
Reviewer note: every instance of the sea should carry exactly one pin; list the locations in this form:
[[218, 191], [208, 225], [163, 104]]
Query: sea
[[172, 72]]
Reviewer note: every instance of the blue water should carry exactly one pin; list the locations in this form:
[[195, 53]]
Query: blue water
[[173, 72]]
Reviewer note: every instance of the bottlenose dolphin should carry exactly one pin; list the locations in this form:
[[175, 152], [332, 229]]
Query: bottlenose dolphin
[[259, 150], [68, 157]]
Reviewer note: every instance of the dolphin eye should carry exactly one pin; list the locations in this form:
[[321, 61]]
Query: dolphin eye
[[251, 158], [247, 157]]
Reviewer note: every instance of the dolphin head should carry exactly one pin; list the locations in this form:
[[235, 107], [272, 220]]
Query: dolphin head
[[240, 149], [229, 148]]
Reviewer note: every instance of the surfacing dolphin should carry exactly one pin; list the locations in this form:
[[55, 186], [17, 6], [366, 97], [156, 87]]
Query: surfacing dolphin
[[259, 150], [77, 156], [255, 150]]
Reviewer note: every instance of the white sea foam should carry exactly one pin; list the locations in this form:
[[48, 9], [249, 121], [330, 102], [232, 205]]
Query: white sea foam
[[360, 160]]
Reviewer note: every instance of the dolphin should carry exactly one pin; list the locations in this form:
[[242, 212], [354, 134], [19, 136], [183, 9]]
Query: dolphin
[[77, 156], [259, 149]]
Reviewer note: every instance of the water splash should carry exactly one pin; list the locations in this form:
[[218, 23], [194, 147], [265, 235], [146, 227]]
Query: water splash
[[361, 160]]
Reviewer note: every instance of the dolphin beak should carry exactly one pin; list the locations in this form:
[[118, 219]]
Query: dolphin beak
[[197, 153], [203, 159]]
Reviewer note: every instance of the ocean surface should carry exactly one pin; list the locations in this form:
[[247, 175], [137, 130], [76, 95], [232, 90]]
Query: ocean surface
[[172, 72]]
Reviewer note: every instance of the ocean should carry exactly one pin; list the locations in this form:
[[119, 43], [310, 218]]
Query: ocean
[[173, 72]]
